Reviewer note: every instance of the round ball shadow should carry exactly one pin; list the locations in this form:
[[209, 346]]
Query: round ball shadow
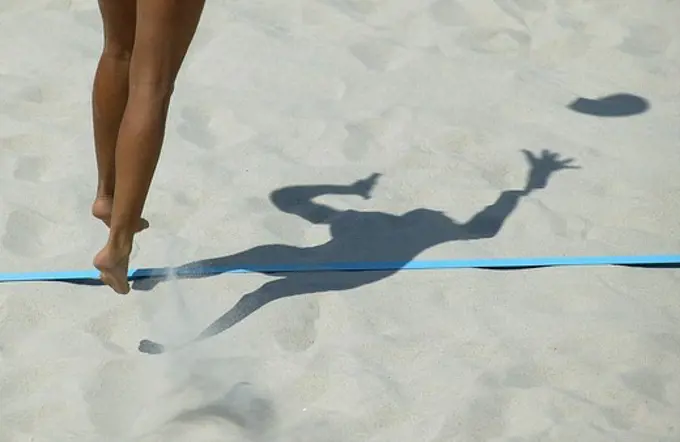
[[618, 105]]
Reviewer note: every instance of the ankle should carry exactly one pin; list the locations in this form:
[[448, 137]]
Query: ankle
[[121, 240], [104, 192]]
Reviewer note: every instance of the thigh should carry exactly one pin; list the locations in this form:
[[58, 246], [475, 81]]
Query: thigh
[[119, 18], [165, 29]]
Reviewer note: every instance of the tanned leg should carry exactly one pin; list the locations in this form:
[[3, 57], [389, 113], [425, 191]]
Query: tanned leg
[[110, 96], [164, 31]]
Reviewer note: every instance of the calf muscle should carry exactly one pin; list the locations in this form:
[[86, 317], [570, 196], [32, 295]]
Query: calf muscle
[[164, 30]]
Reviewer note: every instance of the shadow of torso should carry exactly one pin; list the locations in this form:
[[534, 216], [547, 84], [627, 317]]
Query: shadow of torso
[[367, 237]]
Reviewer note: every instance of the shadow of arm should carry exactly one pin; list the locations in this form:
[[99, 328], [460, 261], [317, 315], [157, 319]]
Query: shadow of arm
[[298, 200], [489, 221]]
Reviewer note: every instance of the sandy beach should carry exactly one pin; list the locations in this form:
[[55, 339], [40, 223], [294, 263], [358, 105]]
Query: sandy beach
[[317, 131]]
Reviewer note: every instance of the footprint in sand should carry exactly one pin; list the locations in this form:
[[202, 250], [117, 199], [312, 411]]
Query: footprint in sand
[[356, 143], [449, 13], [298, 332], [367, 139], [483, 420], [24, 233], [452, 13], [243, 405], [647, 383], [482, 39], [495, 41], [666, 342], [645, 41], [32, 94], [523, 376], [16, 89], [519, 10], [194, 128], [29, 168], [379, 55], [117, 397]]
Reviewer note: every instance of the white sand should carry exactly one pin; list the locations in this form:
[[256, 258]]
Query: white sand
[[440, 97]]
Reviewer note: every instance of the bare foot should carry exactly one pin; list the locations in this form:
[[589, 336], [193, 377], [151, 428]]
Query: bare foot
[[101, 209], [113, 267]]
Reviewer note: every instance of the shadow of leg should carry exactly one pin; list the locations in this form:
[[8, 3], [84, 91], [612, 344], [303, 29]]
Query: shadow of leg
[[248, 304], [271, 254]]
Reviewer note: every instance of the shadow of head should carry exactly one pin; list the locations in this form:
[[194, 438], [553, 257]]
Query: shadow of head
[[617, 105]]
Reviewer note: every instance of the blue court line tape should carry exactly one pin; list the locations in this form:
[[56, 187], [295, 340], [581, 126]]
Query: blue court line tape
[[491, 263]]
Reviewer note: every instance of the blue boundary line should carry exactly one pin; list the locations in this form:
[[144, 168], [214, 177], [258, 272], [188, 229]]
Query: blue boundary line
[[491, 263]]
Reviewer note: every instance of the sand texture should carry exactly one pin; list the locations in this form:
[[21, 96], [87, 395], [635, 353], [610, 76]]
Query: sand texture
[[312, 131]]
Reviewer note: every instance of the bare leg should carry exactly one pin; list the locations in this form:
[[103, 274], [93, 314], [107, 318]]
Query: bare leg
[[109, 97], [164, 32]]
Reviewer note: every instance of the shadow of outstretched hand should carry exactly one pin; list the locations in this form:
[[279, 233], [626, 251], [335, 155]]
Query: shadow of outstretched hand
[[364, 188], [543, 166]]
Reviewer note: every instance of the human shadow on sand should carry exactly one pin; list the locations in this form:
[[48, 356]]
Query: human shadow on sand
[[356, 236]]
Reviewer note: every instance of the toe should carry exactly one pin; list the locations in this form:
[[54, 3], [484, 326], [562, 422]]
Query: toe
[[118, 284]]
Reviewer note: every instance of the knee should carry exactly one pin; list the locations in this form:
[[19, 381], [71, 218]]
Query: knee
[[151, 90], [151, 84], [152, 74]]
